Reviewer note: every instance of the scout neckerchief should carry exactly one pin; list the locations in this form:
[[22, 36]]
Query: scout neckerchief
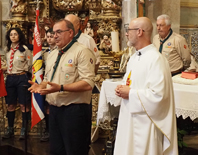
[[162, 42], [78, 34], [60, 54], [12, 57]]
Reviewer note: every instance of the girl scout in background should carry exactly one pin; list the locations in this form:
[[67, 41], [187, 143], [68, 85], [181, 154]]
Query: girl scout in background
[[19, 61]]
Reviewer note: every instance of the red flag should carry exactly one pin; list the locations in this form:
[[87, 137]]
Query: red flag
[[37, 76], [2, 83]]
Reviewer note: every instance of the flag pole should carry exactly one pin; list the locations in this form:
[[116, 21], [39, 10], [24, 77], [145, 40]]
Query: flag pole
[[37, 111]]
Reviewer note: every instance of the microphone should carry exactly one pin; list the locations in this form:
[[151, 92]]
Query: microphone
[[139, 54]]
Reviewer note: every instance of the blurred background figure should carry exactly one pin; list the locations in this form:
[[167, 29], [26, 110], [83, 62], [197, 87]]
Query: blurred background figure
[[88, 30]]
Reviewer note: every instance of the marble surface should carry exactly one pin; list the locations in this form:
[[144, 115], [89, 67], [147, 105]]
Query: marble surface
[[129, 11]]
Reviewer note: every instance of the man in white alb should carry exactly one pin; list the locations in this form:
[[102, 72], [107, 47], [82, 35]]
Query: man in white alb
[[147, 123]]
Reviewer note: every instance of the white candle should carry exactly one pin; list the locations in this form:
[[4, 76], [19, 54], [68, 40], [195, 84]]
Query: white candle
[[115, 41]]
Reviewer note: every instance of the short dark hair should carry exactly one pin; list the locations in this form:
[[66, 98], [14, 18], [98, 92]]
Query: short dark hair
[[22, 40], [50, 30], [68, 24]]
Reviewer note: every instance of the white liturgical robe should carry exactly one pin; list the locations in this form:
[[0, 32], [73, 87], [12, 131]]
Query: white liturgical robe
[[147, 120]]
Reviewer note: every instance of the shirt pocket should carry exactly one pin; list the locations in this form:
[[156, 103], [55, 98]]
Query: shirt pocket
[[167, 52], [20, 58], [67, 75], [47, 74]]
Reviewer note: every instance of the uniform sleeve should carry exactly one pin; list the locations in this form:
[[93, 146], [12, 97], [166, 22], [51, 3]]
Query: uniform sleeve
[[29, 58], [184, 52], [93, 47], [95, 50], [86, 66]]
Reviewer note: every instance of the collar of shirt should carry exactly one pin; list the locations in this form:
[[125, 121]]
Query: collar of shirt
[[14, 46], [143, 50], [51, 49], [63, 47]]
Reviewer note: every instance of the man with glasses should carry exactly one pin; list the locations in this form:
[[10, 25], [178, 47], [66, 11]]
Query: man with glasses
[[68, 83], [172, 45], [147, 123]]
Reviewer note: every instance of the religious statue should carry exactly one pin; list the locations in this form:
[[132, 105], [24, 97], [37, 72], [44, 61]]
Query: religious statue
[[105, 44], [88, 30]]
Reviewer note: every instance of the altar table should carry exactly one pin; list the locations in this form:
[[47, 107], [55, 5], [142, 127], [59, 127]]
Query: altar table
[[186, 100]]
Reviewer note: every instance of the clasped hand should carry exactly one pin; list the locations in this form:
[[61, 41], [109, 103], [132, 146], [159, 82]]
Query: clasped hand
[[122, 91]]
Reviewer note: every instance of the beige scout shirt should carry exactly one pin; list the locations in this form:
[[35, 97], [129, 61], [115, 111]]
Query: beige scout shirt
[[22, 61], [176, 50], [77, 64], [45, 54]]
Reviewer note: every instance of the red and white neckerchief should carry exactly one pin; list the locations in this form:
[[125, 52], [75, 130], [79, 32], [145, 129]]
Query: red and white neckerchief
[[12, 57]]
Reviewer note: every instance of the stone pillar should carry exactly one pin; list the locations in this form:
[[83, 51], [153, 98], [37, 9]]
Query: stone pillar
[[154, 8], [4, 13], [129, 11]]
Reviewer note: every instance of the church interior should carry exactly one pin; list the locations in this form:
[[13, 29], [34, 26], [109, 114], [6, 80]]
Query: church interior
[[105, 21]]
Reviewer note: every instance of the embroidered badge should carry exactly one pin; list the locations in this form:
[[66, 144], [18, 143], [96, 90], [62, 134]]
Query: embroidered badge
[[69, 65], [66, 76], [70, 61], [169, 44], [185, 46], [28, 57], [91, 60], [95, 49], [128, 81]]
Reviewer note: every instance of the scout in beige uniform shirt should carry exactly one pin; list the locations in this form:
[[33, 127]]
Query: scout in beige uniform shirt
[[22, 61], [176, 50], [75, 65]]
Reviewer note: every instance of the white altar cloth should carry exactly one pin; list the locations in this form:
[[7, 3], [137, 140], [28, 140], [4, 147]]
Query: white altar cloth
[[108, 100], [186, 100]]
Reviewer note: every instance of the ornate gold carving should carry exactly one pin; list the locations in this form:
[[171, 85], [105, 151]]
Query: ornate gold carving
[[107, 26], [93, 5], [68, 5], [19, 9]]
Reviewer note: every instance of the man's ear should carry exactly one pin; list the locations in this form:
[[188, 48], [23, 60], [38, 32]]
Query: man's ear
[[71, 32], [140, 32]]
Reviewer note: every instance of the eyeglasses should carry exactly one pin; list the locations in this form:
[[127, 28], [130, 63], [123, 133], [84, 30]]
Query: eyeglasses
[[127, 29], [161, 25], [58, 32]]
